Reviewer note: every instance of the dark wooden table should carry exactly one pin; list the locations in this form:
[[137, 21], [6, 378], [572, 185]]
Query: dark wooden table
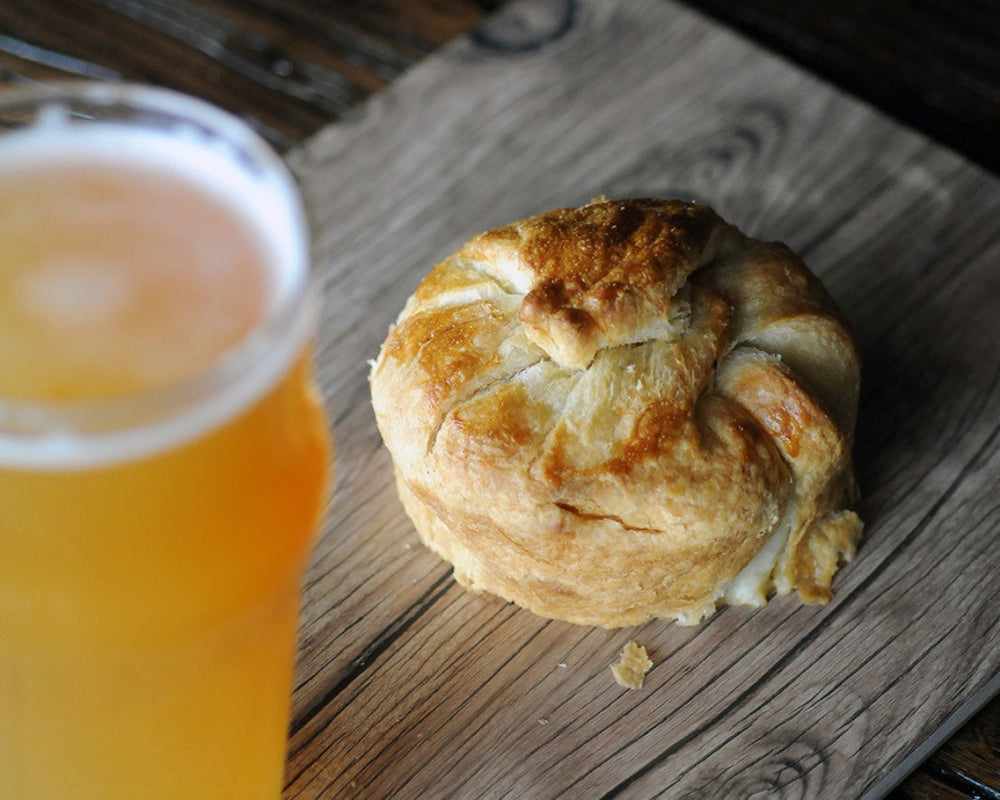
[[291, 67]]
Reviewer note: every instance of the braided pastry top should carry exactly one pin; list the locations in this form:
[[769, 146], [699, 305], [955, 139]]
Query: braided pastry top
[[624, 411]]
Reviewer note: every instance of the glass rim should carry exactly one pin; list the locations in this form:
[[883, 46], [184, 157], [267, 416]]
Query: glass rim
[[41, 434]]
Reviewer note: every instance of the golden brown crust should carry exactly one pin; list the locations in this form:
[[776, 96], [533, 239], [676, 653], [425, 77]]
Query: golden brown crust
[[605, 414], [630, 670]]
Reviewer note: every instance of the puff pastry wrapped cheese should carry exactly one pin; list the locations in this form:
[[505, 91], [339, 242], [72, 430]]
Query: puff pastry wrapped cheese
[[624, 411]]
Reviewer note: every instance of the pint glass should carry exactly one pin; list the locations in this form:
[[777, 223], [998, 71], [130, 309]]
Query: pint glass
[[164, 456]]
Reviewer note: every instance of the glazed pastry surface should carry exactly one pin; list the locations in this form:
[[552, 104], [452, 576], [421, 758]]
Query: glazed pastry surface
[[624, 411]]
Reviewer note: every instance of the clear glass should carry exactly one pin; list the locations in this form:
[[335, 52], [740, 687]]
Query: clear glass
[[164, 453]]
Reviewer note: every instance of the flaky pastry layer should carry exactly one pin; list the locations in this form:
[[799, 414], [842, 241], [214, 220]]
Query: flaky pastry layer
[[624, 411]]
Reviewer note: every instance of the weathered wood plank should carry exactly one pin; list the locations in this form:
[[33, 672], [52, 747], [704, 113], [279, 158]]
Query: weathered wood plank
[[410, 687]]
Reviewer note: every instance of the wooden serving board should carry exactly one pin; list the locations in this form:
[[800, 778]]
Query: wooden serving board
[[409, 687]]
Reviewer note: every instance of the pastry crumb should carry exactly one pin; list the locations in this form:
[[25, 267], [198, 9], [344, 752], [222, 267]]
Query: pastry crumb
[[632, 666]]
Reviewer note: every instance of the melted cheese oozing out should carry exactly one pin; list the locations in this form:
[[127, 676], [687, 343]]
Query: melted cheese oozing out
[[752, 584]]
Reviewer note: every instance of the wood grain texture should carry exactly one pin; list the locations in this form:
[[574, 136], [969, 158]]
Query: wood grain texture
[[410, 687], [288, 67], [968, 765], [933, 64]]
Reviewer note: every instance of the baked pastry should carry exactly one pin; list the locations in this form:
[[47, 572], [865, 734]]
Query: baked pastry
[[629, 671], [624, 411]]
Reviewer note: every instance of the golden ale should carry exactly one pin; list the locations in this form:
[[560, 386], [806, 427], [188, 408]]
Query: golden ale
[[163, 455]]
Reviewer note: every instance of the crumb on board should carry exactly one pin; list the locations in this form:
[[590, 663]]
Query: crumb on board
[[632, 666]]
